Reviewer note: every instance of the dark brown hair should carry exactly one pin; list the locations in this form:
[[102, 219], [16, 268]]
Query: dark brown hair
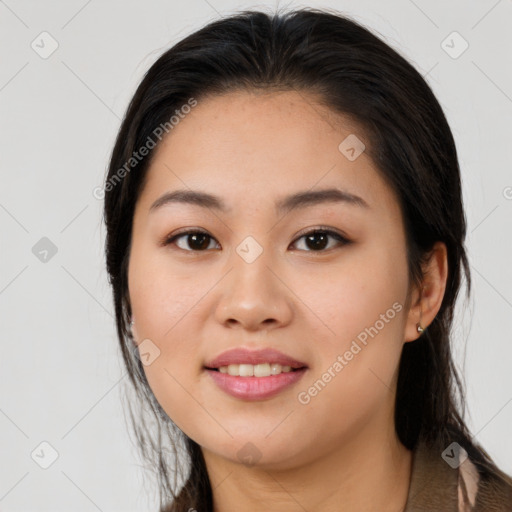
[[354, 73]]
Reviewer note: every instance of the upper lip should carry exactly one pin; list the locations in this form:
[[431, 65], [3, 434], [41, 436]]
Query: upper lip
[[245, 356]]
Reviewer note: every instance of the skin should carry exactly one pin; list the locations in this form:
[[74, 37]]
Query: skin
[[339, 451]]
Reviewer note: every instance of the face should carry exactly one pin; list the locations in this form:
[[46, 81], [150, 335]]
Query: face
[[323, 281]]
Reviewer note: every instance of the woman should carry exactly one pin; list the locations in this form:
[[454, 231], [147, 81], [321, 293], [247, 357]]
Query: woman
[[285, 242]]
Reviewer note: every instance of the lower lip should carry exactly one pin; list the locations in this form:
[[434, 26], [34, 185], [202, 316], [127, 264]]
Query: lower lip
[[255, 388]]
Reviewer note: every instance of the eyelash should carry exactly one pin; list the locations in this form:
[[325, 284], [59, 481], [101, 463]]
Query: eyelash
[[324, 230]]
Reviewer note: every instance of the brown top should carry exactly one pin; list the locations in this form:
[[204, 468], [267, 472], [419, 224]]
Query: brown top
[[445, 480]]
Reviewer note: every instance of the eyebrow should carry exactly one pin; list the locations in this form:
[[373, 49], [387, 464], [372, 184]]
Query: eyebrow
[[297, 200]]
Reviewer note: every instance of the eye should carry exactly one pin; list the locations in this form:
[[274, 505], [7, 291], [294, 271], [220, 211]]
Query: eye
[[196, 240], [318, 239]]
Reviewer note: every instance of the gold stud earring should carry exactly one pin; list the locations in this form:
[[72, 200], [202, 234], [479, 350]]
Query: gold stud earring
[[419, 328]]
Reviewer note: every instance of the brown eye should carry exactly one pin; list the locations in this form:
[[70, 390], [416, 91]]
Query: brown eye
[[194, 240], [318, 240]]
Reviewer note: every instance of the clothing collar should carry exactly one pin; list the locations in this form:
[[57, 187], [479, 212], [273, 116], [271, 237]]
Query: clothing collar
[[433, 485]]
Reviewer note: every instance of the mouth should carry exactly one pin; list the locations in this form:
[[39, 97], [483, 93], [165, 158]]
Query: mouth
[[252, 375]]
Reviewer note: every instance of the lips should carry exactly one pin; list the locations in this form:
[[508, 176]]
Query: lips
[[252, 388], [254, 357]]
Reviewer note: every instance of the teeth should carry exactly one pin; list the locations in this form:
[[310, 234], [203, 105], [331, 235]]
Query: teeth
[[256, 370]]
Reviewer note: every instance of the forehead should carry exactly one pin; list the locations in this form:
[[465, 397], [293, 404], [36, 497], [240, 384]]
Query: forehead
[[256, 145], [253, 121]]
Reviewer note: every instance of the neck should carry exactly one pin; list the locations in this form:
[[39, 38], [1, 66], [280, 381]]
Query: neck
[[372, 473]]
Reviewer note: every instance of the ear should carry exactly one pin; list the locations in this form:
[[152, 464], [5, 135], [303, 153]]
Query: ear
[[427, 298]]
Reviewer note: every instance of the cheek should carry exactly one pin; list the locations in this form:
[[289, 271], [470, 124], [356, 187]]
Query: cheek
[[359, 315], [168, 378], [355, 369], [166, 307], [163, 307], [350, 296], [160, 294]]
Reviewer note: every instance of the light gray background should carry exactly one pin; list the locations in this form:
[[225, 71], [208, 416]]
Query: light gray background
[[61, 376]]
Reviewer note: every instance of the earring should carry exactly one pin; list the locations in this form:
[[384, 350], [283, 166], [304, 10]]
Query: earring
[[419, 327]]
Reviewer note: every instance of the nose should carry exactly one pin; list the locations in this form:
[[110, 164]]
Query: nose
[[254, 296]]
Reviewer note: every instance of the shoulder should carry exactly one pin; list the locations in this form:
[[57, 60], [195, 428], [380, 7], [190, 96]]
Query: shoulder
[[483, 489], [448, 479]]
